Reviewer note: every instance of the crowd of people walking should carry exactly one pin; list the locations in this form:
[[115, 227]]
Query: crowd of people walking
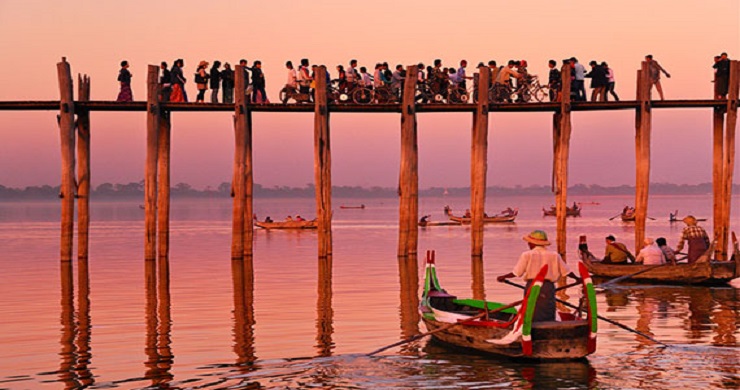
[[436, 82]]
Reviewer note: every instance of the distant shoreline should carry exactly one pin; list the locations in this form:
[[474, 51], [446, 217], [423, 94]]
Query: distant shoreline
[[183, 190]]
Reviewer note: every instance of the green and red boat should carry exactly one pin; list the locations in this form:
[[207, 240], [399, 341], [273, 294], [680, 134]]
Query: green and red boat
[[483, 325]]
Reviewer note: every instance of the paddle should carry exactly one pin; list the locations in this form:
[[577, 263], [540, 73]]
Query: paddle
[[615, 216], [485, 313], [625, 327]]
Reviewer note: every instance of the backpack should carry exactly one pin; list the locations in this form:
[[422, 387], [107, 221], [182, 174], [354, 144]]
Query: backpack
[[199, 79]]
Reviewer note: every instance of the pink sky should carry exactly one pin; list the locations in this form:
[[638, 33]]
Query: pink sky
[[683, 35]]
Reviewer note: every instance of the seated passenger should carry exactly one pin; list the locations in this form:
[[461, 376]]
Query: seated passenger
[[616, 252]]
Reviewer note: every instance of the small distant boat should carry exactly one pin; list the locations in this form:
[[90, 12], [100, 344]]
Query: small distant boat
[[574, 211], [508, 332], [498, 218], [362, 206], [313, 224], [673, 217], [439, 223], [628, 215]]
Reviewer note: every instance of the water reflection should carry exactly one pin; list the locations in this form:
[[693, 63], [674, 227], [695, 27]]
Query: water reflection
[[84, 355], [409, 305], [242, 273], [324, 311], [75, 353], [698, 311], [158, 324]]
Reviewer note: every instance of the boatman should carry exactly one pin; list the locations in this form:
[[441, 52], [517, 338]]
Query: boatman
[[529, 264], [697, 238]]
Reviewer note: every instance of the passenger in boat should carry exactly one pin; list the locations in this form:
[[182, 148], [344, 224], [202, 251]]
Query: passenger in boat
[[650, 254], [508, 212], [668, 253], [448, 210], [468, 214], [268, 219], [425, 219], [697, 239], [288, 218], [616, 252], [529, 264], [299, 218]]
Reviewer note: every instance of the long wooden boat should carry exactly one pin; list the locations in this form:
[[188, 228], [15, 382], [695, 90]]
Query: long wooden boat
[[574, 211], [313, 224], [673, 217], [362, 206], [509, 332], [493, 219], [703, 271], [439, 223]]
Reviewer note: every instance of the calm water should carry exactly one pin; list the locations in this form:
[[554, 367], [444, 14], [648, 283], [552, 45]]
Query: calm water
[[287, 320]]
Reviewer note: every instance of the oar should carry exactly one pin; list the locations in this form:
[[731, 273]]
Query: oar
[[625, 327], [485, 313], [615, 216]]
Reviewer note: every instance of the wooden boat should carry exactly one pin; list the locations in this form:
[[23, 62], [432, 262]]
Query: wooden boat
[[313, 224], [673, 217], [574, 211], [439, 223], [509, 332], [494, 219], [703, 271], [362, 206], [628, 216]]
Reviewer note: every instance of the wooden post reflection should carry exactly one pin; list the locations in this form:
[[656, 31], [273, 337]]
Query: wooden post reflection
[[478, 283], [158, 352], [243, 279], [84, 356], [68, 353], [409, 281], [324, 311]]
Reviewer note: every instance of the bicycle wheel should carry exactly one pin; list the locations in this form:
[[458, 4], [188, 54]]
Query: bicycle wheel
[[284, 96], [457, 95], [382, 95], [423, 95], [541, 93], [362, 95]]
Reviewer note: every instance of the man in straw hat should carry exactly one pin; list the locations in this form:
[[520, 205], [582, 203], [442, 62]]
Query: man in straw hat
[[697, 238], [529, 264]]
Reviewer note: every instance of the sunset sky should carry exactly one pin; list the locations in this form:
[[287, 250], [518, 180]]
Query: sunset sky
[[683, 35]]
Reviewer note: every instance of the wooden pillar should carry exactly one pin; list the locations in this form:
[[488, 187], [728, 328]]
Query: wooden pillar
[[408, 178], [642, 154], [322, 163], [718, 185], [561, 134], [150, 173], [248, 184], [479, 163], [163, 185], [67, 138], [238, 184], [729, 160], [83, 169]]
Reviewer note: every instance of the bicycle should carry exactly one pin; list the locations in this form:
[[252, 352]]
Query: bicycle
[[538, 91], [379, 95], [291, 93]]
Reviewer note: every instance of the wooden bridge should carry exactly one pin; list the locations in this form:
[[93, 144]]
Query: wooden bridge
[[74, 126]]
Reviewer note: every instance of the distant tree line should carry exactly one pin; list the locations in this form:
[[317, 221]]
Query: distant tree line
[[136, 190]]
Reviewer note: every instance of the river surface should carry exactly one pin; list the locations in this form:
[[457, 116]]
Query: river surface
[[288, 320]]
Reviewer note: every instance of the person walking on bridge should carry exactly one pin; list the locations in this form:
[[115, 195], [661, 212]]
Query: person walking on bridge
[[654, 70]]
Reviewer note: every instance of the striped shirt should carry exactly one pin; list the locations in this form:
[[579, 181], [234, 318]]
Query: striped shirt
[[690, 232]]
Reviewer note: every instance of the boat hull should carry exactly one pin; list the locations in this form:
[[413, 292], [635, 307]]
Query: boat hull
[[551, 340], [288, 224], [466, 221], [712, 272]]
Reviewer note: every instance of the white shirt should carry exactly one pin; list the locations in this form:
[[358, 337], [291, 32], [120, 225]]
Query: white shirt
[[580, 71], [376, 79], [351, 73], [531, 261], [367, 80], [650, 255], [292, 77]]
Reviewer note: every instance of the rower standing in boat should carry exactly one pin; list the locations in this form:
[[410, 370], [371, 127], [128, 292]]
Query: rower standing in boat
[[616, 252], [529, 264], [697, 238]]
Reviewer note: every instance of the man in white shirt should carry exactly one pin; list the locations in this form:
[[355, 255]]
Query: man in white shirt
[[579, 84], [292, 75], [650, 254], [529, 264]]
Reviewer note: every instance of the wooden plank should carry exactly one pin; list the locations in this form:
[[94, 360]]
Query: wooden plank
[[408, 178], [150, 173], [561, 171], [720, 233], [322, 163], [83, 169], [67, 142], [238, 184], [163, 186], [729, 160], [642, 155], [479, 163]]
